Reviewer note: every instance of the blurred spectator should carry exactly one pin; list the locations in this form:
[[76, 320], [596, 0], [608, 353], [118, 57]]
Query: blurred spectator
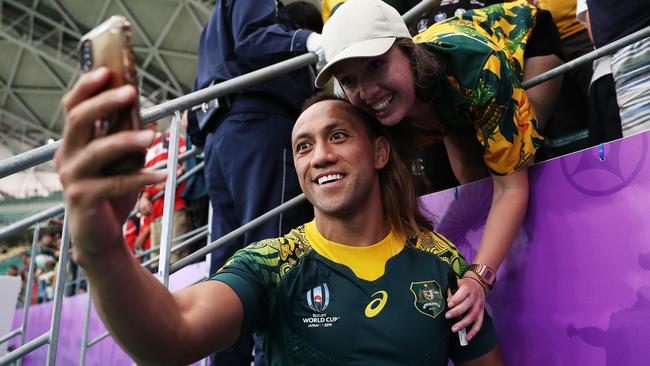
[[568, 123], [448, 9], [152, 208], [611, 20], [47, 245], [604, 117], [195, 193], [305, 15], [12, 270], [135, 235], [328, 7], [46, 277], [25, 258]]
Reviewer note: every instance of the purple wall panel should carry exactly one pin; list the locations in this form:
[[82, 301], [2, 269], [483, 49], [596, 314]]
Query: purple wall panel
[[575, 288], [106, 352]]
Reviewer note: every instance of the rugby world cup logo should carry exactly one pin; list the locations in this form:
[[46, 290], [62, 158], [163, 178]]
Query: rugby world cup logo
[[318, 298]]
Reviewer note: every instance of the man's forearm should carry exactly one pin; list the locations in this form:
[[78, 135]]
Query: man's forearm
[[139, 311]]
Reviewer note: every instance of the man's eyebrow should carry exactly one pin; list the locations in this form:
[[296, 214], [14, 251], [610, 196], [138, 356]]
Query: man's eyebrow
[[329, 127]]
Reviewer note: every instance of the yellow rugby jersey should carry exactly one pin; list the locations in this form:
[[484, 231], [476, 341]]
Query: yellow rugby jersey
[[328, 7], [312, 310], [564, 16], [483, 54]]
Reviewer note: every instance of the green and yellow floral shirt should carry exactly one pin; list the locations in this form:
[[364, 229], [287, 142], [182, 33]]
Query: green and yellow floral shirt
[[483, 53]]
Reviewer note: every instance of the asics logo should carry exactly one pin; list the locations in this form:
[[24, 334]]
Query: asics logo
[[377, 304]]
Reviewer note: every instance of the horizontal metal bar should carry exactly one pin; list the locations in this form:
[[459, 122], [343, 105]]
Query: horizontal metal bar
[[178, 247], [178, 238], [74, 282], [237, 232], [43, 154], [590, 57], [31, 220], [148, 251], [190, 233], [423, 8], [181, 157], [25, 349], [228, 87], [182, 179], [20, 162], [10, 335], [98, 339]]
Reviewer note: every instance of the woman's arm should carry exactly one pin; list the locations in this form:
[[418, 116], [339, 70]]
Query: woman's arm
[[509, 204]]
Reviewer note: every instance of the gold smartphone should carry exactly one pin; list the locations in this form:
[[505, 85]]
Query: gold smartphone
[[109, 45]]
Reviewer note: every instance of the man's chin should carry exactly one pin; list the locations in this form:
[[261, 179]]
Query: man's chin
[[333, 209]]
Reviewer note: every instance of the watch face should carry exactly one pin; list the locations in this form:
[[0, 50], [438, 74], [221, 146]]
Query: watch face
[[488, 275]]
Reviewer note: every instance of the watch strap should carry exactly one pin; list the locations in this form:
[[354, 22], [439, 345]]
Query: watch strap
[[486, 274]]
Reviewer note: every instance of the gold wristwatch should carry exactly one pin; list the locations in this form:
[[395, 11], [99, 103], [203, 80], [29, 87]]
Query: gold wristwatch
[[487, 275]]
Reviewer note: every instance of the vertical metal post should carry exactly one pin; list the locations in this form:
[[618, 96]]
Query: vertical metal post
[[84, 334], [208, 257], [58, 293], [208, 260], [28, 290], [170, 197]]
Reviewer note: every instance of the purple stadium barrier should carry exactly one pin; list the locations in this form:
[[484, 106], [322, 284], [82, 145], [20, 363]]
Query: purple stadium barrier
[[106, 351], [575, 288]]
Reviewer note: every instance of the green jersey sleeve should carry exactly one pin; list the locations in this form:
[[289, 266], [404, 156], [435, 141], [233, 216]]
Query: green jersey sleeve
[[483, 342], [250, 274]]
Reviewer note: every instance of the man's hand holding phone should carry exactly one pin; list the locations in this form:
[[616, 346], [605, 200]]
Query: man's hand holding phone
[[99, 204]]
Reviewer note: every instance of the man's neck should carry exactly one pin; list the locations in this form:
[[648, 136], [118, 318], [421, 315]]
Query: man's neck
[[364, 229]]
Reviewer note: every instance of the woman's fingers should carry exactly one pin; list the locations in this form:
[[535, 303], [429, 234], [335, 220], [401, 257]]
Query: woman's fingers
[[470, 317], [477, 325], [468, 303]]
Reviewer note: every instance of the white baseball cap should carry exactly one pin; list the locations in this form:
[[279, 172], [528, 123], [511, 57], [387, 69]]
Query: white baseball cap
[[359, 28]]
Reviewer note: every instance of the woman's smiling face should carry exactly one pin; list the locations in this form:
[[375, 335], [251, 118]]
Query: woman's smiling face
[[382, 85]]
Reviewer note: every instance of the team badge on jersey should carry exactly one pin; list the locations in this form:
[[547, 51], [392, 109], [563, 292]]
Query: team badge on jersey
[[318, 298], [428, 297]]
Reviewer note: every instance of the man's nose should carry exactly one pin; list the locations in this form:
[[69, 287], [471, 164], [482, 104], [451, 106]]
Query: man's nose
[[323, 156]]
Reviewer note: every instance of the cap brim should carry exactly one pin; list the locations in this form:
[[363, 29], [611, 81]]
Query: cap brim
[[368, 48]]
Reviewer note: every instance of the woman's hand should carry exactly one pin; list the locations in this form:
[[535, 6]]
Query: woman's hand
[[98, 205], [468, 302]]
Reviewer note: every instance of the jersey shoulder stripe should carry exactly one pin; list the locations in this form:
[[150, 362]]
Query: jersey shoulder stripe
[[271, 259], [444, 249]]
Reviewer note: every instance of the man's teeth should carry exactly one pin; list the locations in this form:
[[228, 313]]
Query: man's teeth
[[382, 105], [329, 178]]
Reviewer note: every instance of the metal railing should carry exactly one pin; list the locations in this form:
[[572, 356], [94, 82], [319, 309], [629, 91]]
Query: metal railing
[[42, 154]]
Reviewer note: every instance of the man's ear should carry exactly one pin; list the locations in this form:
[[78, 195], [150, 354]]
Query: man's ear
[[382, 152]]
